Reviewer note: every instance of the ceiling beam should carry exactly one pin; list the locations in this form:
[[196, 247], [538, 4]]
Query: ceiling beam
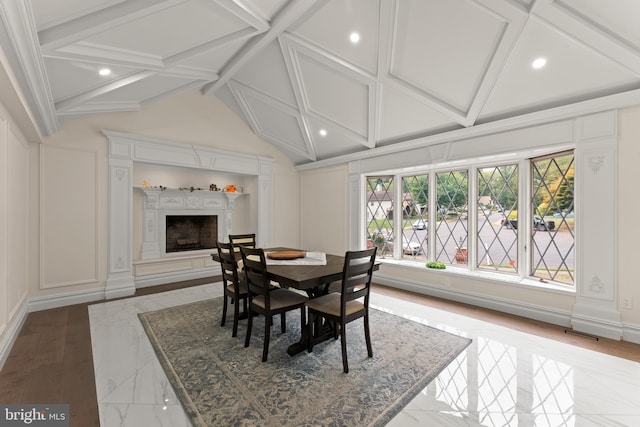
[[97, 22], [74, 101], [289, 14]]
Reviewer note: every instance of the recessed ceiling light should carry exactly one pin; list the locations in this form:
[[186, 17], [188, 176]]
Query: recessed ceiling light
[[104, 71], [323, 132], [539, 63], [354, 37]]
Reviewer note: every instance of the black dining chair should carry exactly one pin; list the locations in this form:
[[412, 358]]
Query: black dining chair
[[264, 300], [234, 284], [351, 303]]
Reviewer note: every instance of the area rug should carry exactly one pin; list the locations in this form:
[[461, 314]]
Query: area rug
[[219, 382]]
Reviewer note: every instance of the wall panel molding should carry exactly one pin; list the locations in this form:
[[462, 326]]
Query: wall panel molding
[[70, 244]]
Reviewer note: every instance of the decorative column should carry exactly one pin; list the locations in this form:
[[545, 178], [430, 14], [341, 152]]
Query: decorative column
[[120, 281], [596, 309]]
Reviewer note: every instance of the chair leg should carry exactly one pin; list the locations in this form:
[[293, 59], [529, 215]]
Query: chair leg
[[224, 310], [367, 336], [303, 318], [249, 327], [236, 315], [265, 349], [343, 341], [283, 322], [310, 332]]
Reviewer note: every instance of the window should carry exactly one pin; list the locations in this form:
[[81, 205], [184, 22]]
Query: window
[[451, 217], [380, 214], [497, 202], [415, 199], [553, 234], [470, 218]]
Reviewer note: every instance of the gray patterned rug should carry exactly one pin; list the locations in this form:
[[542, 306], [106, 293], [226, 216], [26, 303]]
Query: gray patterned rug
[[221, 383]]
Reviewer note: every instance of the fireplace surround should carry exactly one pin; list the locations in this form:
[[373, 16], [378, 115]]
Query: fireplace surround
[[125, 150], [164, 207]]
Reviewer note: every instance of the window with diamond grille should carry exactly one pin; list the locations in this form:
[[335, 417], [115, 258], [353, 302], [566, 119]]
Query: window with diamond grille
[[451, 217], [379, 214], [415, 196], [553, 232], [497, 227]]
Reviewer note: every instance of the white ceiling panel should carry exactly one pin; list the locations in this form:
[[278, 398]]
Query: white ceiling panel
[[346, 17], [76, 76], [48, 13], [274, 121], [329, 139], [402, 116], [214, 59], [444, 48], [573, 71], [267, 73], [153, 34], [335, 96], [289, 69], [619, 18]]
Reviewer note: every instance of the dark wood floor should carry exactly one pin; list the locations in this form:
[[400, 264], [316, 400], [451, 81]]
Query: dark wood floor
[[51, 361]]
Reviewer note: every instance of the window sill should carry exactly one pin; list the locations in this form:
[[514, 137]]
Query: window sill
[[506, 279]]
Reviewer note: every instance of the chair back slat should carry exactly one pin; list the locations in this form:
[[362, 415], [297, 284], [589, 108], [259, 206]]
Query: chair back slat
[[255, 269], [242, 240], [228, 264], [357, 274]]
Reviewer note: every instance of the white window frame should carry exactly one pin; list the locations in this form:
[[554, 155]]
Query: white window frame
[[523, 160]]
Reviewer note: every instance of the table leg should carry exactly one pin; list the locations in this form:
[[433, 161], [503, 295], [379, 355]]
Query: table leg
[[326, 330]]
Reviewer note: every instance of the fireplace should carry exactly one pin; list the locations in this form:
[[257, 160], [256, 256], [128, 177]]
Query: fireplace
[[185, 223], [191, 232]]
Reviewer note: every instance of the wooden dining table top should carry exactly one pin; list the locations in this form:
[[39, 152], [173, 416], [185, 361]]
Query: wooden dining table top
[[306, 277]]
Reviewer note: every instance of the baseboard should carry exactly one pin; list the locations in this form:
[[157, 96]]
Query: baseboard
[[530, 311], [178, 276], [62, 300], [12, 332], [631, 333]]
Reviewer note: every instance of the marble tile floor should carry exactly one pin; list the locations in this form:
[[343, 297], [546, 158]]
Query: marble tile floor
[[505, 378]]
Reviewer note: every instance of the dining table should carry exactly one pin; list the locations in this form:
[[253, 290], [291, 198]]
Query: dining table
[[314, 279]]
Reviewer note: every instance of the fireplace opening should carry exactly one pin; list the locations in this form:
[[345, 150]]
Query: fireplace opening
[[191, 232]]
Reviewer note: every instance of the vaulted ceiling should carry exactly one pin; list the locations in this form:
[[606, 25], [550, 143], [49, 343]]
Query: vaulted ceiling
[[290, 69]]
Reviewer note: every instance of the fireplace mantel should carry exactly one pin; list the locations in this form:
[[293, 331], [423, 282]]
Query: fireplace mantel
[[159, 203]]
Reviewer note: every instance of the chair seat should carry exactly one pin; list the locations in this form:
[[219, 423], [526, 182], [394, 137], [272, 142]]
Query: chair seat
[[330, 304], [243, 288], [280, 298]]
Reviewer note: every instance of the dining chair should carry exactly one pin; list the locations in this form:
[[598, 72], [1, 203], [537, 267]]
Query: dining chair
[[351, 303], [264, 300], [234, 284]]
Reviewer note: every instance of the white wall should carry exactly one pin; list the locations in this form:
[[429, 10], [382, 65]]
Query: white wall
[[628, 211]]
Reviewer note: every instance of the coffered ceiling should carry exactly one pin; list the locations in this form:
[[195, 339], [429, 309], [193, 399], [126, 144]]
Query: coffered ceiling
[[290, 69]]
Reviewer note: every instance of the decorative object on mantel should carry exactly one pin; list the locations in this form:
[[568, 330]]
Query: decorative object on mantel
[[145, 184], [213, 187], [230, 188]]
